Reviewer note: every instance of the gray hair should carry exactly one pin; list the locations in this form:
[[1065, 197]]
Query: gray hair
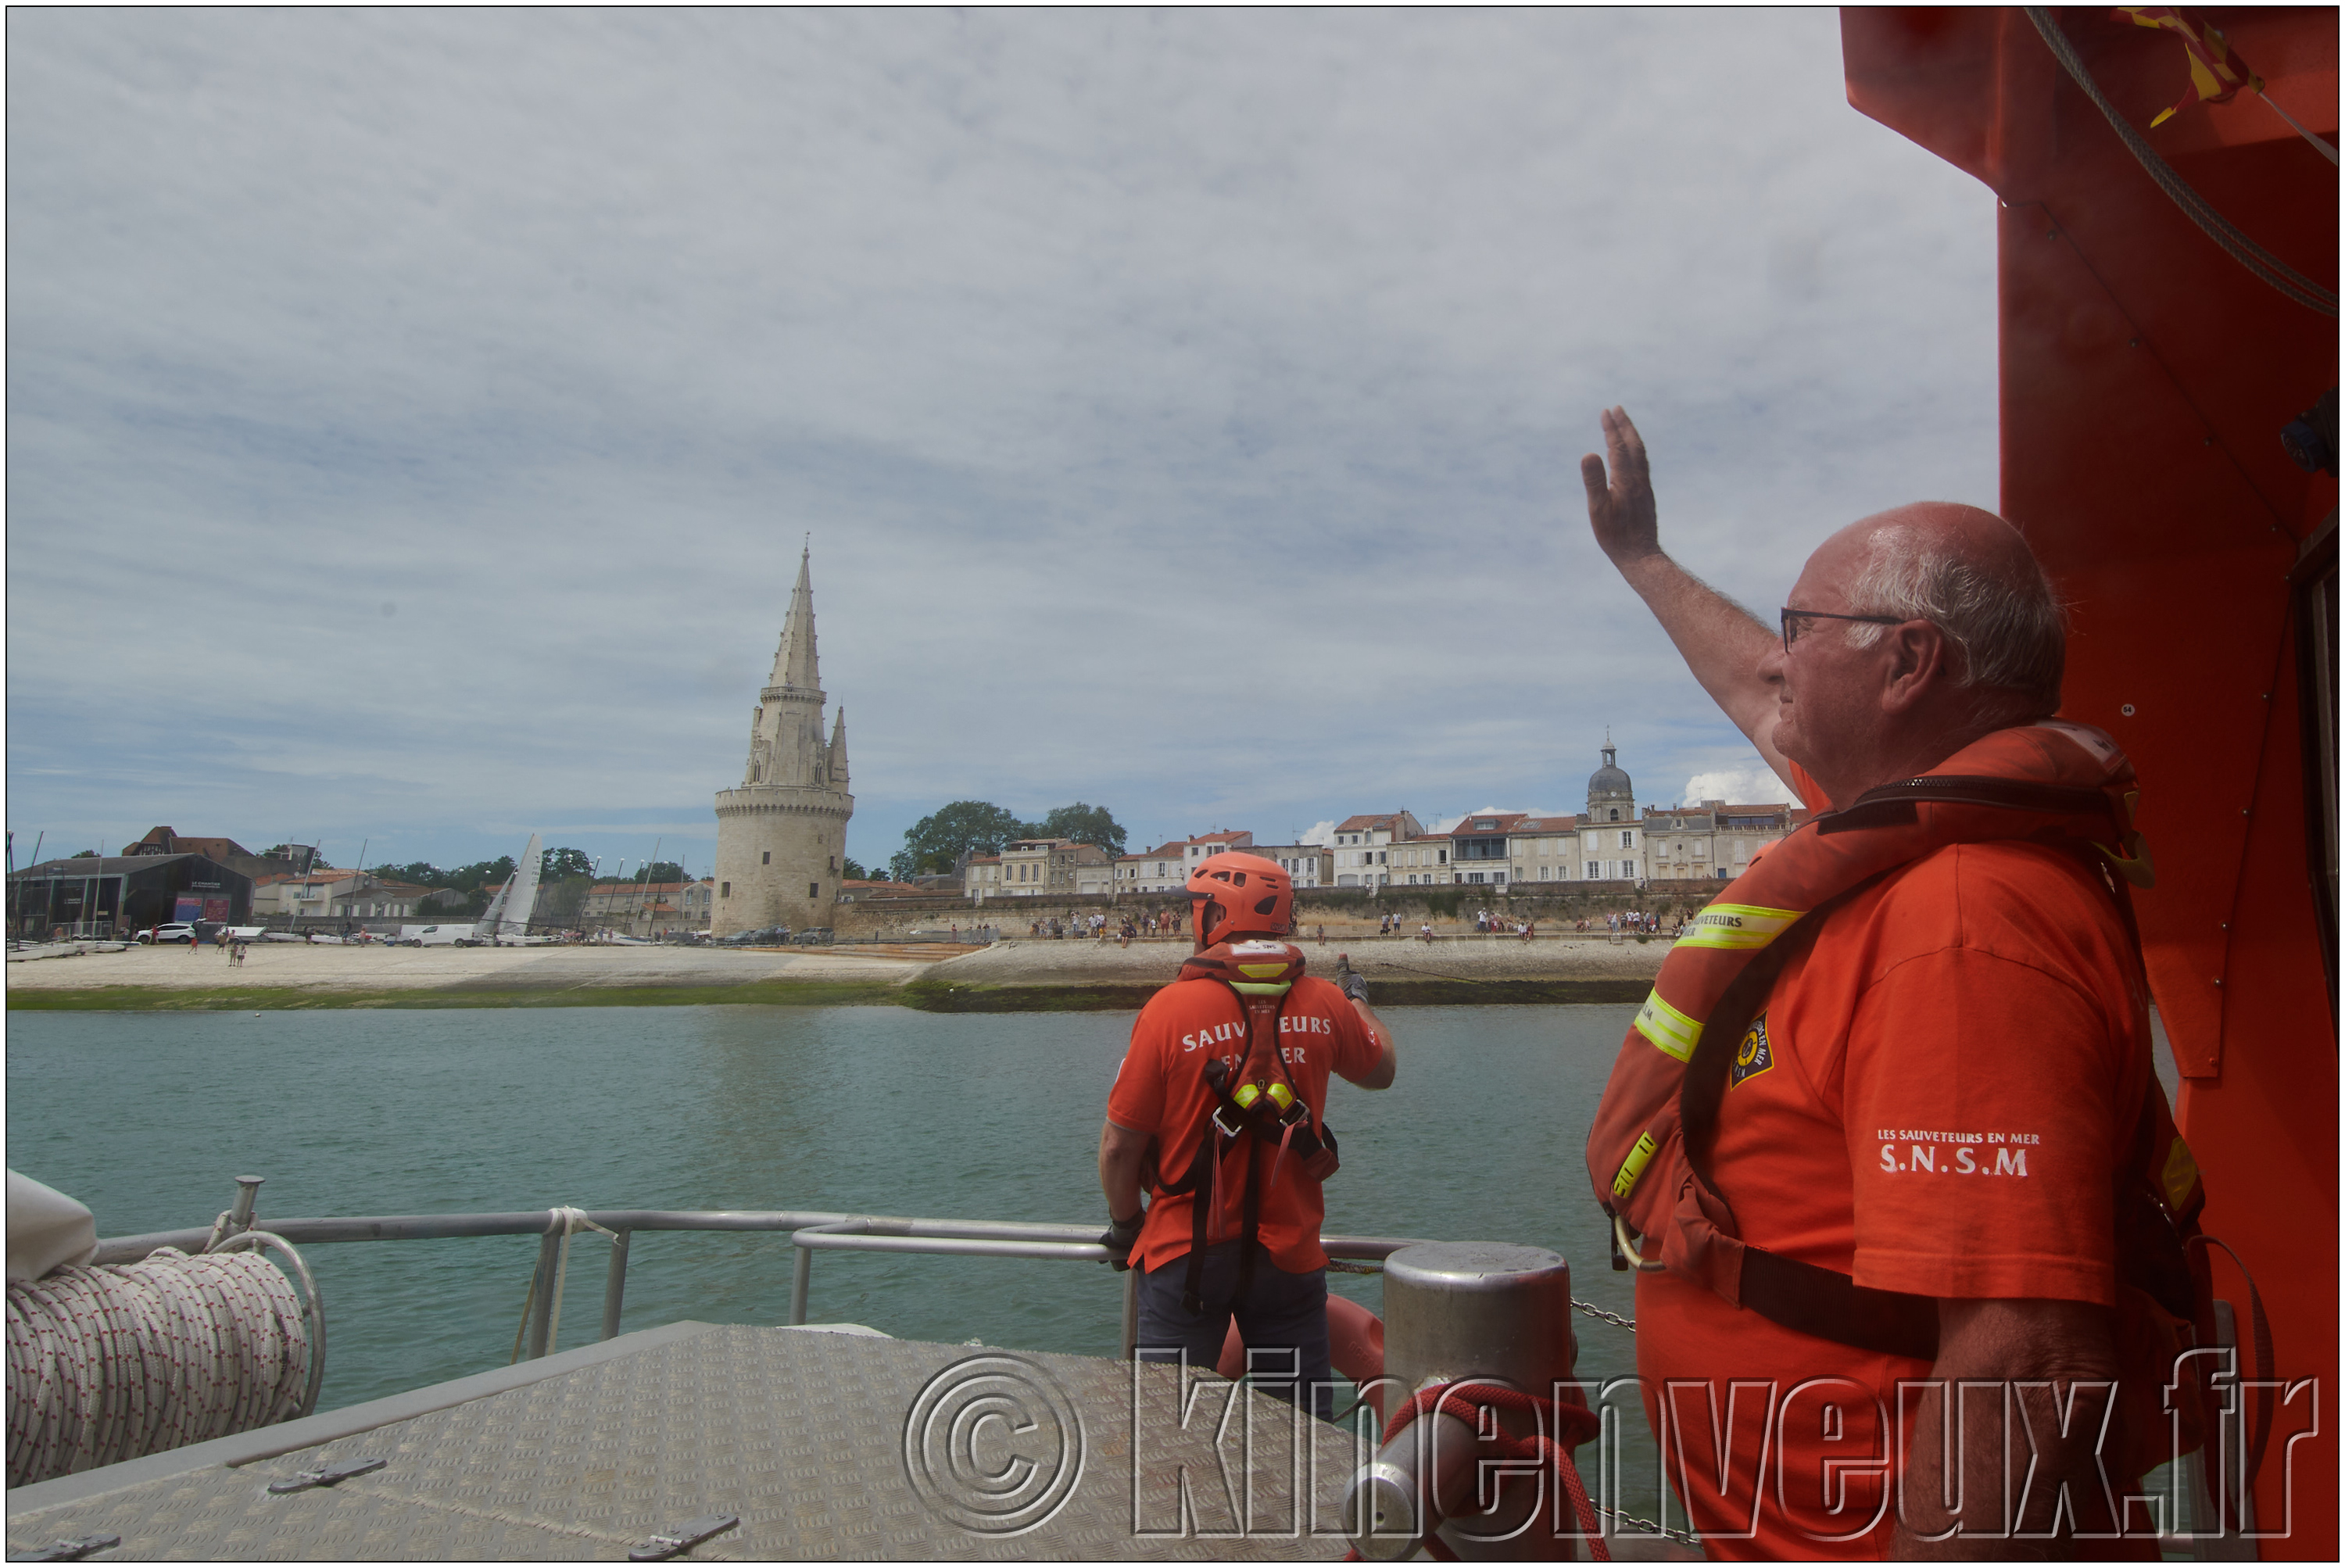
[[2012, 635]]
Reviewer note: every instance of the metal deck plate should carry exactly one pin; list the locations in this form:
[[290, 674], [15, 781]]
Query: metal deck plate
[[1010, 1455]]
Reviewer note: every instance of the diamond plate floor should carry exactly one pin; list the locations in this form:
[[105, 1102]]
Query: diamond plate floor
[[825, 1445]]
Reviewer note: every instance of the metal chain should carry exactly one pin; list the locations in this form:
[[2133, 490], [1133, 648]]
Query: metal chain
[[1670, 1533], [1589, 1308]]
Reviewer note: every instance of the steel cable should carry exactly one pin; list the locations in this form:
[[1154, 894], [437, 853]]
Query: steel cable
[[2213, 224], [113, 1363]]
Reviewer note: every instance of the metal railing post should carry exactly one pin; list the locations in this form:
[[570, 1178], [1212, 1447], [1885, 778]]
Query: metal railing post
[[614, 1284], [801, 1273], [1131, 1312], [541, 1320]]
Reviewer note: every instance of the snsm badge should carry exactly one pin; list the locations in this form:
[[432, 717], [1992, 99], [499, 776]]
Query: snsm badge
[[1753, 1057]]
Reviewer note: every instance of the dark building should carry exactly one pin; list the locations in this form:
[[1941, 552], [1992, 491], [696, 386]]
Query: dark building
[[119, 895], [223, 852]]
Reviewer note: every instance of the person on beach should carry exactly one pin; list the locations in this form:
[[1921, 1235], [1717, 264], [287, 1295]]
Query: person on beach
[[1206, 1058], [1984, 991]]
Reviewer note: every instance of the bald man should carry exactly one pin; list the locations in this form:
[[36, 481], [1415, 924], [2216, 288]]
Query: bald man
[[1979, 1001]]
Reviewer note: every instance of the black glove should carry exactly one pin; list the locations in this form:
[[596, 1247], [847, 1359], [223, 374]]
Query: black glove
[[1354, 985], [1118, 1238]]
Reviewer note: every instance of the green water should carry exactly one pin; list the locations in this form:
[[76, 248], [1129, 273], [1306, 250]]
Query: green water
[[145, 1118]]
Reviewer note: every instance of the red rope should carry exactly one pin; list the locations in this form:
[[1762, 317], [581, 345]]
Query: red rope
[[1467, 1405]]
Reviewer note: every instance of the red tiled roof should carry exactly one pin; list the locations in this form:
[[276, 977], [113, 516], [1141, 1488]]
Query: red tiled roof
[[1506, 821], [1227, 836], [1373, 819]]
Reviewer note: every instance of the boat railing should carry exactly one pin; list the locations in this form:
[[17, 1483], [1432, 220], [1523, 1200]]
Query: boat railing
[[810, 1231]]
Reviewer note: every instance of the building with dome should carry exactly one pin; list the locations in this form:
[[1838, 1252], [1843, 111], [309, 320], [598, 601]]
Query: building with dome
[[1612, 839], [781, 834]]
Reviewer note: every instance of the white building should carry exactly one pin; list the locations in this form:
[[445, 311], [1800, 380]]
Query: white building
[[1203, 847], [1612, 840], [1422, 862], [1478, 848], [1049, 867], [1163, 869], [1363, 846], [980, 878], [1713, 841], [1310, 865]]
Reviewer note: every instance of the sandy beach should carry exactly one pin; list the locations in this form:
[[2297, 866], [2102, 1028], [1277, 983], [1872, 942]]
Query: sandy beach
[[1009, 975]]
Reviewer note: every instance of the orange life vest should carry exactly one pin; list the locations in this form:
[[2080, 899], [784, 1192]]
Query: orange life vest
[[1260, 1098], [2059, 784]]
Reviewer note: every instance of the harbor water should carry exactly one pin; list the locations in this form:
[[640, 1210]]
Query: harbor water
[[146, 1117]]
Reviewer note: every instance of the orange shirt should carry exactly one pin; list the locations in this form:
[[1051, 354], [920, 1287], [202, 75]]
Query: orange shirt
[[1161, 1089], [1932, 1100]]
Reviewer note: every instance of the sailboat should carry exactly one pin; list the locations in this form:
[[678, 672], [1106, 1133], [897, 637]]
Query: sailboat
[[506, 921]]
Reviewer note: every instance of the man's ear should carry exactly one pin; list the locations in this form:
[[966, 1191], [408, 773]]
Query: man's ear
[[1920, 663]]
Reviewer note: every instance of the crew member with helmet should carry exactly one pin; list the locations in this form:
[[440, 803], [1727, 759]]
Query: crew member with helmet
[[1219, 1115]]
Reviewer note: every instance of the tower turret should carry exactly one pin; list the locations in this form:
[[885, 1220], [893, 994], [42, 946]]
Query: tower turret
[[782, 834], [1612, 798]]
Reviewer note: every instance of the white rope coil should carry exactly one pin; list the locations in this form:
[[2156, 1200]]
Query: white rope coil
[[110, 1363]]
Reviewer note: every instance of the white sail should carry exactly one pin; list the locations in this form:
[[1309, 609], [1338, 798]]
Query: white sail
[[508, 913]]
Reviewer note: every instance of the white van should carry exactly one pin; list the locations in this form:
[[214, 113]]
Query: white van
[[436, 935]]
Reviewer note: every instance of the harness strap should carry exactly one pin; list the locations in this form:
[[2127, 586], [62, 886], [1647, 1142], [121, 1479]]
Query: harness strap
[[1203, 1181]]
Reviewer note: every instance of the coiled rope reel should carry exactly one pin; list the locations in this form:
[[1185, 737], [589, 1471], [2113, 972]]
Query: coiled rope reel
[[111, 1362]]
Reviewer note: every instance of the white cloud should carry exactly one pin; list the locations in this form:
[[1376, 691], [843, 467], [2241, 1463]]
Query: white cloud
[[1322, 833], [1751, 784], [557, 331]]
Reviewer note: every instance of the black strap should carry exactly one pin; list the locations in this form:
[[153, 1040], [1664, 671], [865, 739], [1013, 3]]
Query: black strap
[[1830, 1305], [1801, 1297], [1892, 804]]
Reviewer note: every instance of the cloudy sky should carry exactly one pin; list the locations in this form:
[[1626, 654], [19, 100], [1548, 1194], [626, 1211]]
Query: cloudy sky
[[414, 416]]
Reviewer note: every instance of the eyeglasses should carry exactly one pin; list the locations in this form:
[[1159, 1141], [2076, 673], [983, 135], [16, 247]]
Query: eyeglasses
[[1792, 619]]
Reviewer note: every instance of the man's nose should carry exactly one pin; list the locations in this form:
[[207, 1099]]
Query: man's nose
[[1771, 663]]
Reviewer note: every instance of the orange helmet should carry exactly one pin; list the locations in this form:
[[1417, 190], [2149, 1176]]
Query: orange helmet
[[1233, 894]]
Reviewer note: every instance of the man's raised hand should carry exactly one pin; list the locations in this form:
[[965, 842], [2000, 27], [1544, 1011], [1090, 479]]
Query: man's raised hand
[[1620, 512]]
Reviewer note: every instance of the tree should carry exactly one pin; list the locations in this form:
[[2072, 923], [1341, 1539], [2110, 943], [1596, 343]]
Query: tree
[[415, 873], [84, 855], [560, 863], [659, 871], [1085, 824], [852, 870], [936, 842], [481, 873]]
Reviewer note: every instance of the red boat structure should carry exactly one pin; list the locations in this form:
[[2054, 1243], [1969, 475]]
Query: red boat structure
[[2151, 361]]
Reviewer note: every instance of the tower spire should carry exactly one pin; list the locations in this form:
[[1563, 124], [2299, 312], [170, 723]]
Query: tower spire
[[838, 752], [794, 661]]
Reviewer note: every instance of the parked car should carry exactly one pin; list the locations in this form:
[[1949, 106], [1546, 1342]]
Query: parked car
[[162, 936], [818, 937], [764, 936]]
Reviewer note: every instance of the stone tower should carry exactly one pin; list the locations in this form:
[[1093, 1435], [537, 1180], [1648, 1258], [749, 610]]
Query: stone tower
[[781, 835], [1612, 798]]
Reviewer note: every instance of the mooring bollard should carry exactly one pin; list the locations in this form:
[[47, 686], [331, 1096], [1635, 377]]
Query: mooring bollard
[[1466, 1312]]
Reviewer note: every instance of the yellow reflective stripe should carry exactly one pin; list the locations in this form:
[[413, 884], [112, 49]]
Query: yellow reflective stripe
[[1668, 1028], [1262, 970], [2181, 1171], [1257, 988], [1634, 1165], [1738, 926]]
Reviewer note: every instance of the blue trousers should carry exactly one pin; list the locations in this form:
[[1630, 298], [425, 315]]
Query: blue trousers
[[1283, 1320]]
